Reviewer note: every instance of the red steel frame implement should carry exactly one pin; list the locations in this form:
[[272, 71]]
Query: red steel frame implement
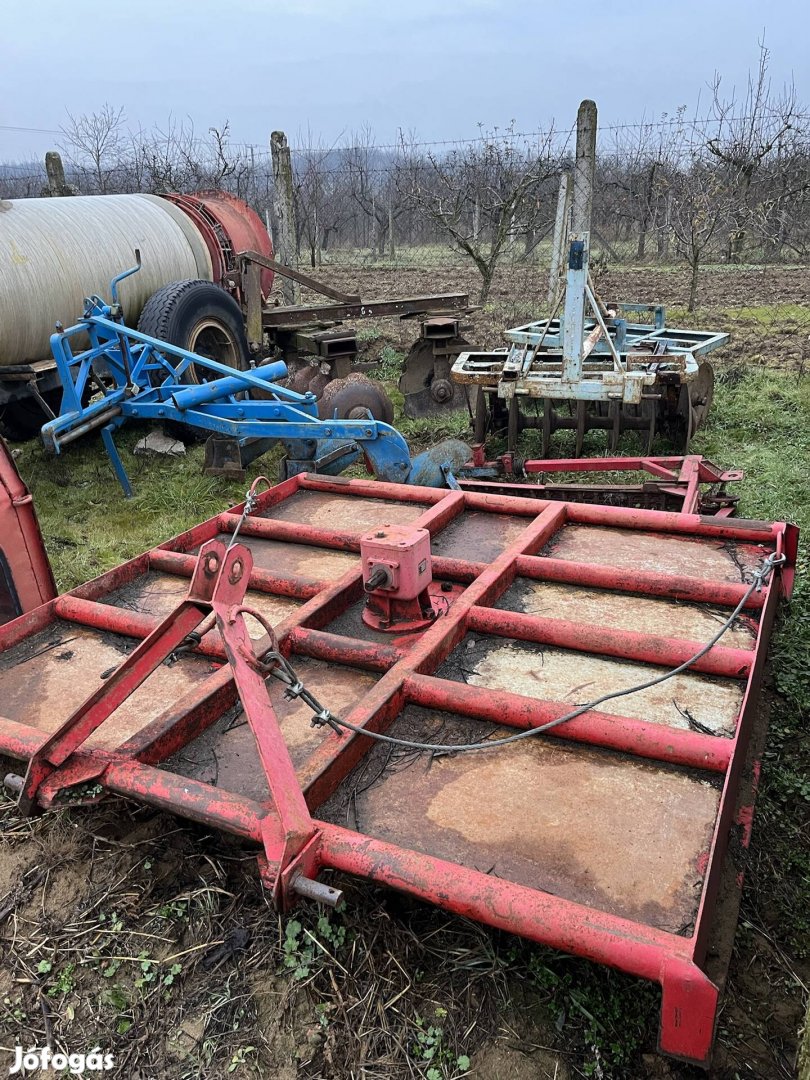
[[296, 844], [676, 483]]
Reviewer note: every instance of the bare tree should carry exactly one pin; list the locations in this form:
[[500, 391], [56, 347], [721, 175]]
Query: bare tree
[[474, 194], [700, 210], [748, 133], [320, 196], [633, 179], [371, 176], [95, 143]]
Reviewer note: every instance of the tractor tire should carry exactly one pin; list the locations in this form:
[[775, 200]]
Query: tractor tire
[[200, 317], [353, 397]]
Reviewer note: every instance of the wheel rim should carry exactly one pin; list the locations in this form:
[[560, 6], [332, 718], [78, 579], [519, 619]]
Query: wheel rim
[[210, 338]]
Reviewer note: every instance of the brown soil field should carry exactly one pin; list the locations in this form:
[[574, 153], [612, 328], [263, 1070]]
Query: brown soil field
[[766, 311]]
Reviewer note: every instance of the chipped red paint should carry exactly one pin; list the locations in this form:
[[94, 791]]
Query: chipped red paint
[[682, 478], [26, 579], [690, 748], [313, 619]]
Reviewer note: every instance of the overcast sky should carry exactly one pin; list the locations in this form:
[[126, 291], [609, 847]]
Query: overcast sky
[[436, 69]]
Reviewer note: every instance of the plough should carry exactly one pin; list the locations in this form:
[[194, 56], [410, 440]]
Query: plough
[[350, 611], [137, 377]]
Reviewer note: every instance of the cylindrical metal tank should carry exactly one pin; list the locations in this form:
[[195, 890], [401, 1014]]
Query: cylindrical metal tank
[[54, 252]]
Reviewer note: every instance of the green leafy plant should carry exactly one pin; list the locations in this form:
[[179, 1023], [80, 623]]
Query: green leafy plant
[[430, 1049]]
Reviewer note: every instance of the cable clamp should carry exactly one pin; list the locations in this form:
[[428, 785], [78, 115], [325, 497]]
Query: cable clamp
[[325, 717], [767, 568], [294, 690]]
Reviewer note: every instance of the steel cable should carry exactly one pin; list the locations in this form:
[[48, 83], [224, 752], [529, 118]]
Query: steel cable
[[760, 577]]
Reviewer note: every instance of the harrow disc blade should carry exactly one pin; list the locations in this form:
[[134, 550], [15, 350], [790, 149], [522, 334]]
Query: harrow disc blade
[[703, 394], [427, 393], [353, 398], [694, 402]]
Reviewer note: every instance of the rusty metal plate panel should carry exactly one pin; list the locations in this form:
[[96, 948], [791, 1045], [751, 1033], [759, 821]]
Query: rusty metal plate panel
[[717, 560], [158, 594], [226, 754], [299, 560], [550, 674], [625, 611], [50, 674], [349, 513], [626, 836], [478, 536]]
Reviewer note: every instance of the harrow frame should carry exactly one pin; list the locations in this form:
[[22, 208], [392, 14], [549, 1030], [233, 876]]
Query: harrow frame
[[484, 545]]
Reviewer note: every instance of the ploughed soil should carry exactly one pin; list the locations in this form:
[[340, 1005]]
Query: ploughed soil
[[765, 310]]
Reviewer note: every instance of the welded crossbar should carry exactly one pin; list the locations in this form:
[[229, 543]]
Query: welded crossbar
[[549, 604]]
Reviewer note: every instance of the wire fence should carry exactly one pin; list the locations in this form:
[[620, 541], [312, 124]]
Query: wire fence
[[700, 199]]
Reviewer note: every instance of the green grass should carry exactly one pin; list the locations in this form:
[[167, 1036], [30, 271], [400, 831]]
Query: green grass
[[90, 527], [771, 316]]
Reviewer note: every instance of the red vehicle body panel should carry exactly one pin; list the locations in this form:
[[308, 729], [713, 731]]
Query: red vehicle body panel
[[26, 578]]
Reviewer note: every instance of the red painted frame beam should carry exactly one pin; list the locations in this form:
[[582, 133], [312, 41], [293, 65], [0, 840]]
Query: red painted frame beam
[[645, 582], [605, 641], [660, 742], [295, 586]]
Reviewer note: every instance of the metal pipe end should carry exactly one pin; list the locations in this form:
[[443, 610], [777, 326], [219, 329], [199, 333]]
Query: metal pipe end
[[317, 890], [13, 782]]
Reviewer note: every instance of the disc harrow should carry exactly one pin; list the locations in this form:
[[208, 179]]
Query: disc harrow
[[592, 365], [675, 411]]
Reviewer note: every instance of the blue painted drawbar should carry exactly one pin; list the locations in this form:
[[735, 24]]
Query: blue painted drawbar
[[131, 375]]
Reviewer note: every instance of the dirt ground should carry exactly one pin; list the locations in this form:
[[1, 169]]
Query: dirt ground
[[122, 927], [768, 310]]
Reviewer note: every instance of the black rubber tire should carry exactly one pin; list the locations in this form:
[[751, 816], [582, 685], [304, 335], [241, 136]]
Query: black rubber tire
[[174, 313]]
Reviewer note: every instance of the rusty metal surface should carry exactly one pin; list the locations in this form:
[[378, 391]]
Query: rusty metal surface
[[604, 838], [157, 594], [711, 559], [225, 755], [694, 622], [51, 673], [624, 836], [478, 536], [302, 560], [347, 514], [547, 673]]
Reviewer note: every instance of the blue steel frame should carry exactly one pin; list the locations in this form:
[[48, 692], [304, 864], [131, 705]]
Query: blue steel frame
[[143, 379]]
